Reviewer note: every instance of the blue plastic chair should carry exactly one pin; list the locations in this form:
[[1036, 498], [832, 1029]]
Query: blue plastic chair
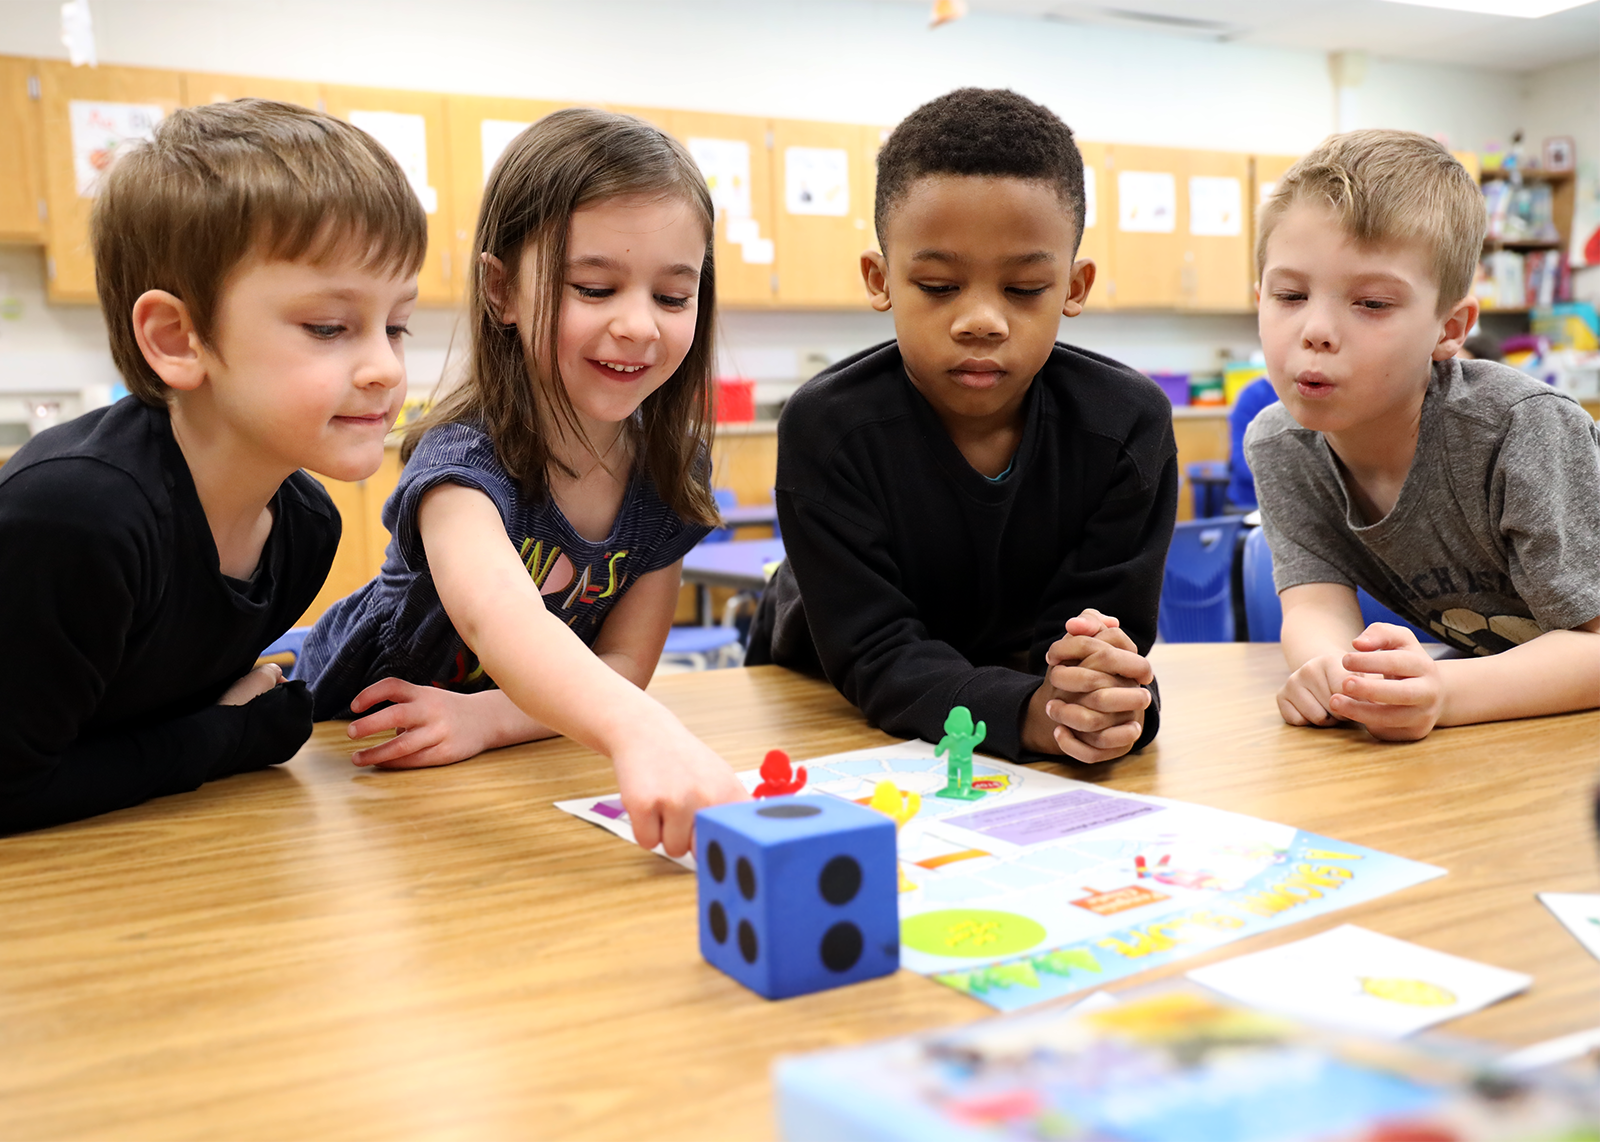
[[1208, 485], [703, 647], [288, 643], [1196, 591], [1264, 613], [725, 498]]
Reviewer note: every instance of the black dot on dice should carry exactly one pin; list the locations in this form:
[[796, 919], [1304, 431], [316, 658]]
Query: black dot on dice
[[841, 946], [747, 879], [719, 922], [787, 809], [747, 942], [840, 880], [716, 862]]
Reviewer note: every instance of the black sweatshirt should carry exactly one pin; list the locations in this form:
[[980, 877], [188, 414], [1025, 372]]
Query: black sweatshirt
[[120, 629], [917, 584]]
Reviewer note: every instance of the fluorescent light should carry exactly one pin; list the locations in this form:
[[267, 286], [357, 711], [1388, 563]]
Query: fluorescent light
[[1528, 9]]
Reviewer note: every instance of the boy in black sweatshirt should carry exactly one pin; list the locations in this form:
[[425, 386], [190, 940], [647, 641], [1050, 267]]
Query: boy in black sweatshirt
[[975, 514], [256, 263]]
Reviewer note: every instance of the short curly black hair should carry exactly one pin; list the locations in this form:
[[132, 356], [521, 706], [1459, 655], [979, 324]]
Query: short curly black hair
[[980, 131]]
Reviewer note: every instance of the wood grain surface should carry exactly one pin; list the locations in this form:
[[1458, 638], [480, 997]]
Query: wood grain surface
[[320, 952]]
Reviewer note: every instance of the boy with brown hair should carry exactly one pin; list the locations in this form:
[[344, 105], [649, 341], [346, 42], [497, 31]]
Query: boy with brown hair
[[1461, 494], [974, 513], [256, 265]]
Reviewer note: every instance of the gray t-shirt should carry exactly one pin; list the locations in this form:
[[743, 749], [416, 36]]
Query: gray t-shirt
[[1495, 537]]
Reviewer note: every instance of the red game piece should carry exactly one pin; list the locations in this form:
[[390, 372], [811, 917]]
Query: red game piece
[[777, 776]]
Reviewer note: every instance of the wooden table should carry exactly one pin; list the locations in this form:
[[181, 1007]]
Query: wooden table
[[323, 952]]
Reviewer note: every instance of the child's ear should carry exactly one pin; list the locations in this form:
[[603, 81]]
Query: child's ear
[[1078, 289], [167, 338], [1457, 327], [875, 272], [496, 291]]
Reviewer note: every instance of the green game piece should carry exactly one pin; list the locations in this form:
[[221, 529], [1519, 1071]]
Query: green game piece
[[960, 739]]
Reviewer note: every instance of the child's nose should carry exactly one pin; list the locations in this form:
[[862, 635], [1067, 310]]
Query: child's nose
[[981, 318], [384, 366], [635, 321]]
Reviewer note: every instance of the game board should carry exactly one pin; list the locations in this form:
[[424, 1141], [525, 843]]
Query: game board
[[1047, 886]]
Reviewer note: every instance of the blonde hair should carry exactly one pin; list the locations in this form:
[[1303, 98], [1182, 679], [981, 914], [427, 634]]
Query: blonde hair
[[221, 182], [565, 161], [1389, 186]]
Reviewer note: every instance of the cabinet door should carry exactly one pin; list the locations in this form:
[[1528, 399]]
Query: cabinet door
[[200, 88], [734, 153], [21, 153], [1097, 223], [1146, 210], [1215, 272], [479, 129], [411, 124], [88, 112], [1265, 171], [352, 562], [822, 217]]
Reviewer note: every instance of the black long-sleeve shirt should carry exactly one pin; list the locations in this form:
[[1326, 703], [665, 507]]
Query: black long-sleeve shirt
[[918, 584], [120, 630]]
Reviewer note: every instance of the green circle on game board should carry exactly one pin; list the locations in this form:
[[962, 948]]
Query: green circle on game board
[[964, 933]]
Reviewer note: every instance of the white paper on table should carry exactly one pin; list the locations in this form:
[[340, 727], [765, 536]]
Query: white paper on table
[[1553, 1051], [725, 163], [1352, 978], [758, 252], [406, 138], [1091, 199], [1580, 913], [1147, 202], [1216, 206], [496, 136], [816, 180], [101, 132]]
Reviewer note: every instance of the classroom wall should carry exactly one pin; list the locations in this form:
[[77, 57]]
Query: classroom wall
[[824, 59]]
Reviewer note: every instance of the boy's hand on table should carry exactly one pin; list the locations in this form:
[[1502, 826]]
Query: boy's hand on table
[[665, 778], [252, 685], [1393, 686], [432, 726], [1094, 696], [1306, 698]]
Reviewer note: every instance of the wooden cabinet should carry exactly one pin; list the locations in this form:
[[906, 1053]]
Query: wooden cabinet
[[86, 114], [22, 209], [734, 153], [363, 540], [1265, 171], [822, 208], [478, 129], [1095, 244], [200, 88], [411, 124], [1180, 238]]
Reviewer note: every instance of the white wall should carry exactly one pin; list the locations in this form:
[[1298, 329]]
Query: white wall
[[819, 59]]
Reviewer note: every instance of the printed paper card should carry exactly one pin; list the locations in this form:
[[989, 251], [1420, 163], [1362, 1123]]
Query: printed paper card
[[1048, 886], [101, 131], [1580, 912], [1358, 980], [494, 136]]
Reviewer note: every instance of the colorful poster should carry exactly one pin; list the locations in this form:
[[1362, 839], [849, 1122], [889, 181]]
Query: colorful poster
[[99, 133], [406, 138], [1048, 886], [816, 180], [1216, 207], [496, 136], [725, 163], [1147, 202]]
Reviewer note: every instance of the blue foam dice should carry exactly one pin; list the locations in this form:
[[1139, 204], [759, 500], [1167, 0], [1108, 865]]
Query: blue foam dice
[[797, 894]]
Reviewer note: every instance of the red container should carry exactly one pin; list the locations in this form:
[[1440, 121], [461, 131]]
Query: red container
[[736, 399]]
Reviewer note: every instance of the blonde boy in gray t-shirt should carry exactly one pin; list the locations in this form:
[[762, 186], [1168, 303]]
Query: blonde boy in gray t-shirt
[[1461, 494]]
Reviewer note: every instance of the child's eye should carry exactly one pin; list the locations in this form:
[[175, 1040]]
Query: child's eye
[[594, 293], [395, 331], [936, 290], [1032, 291], [1372, 303], [1288, 295], [672, 302], [325, 332]]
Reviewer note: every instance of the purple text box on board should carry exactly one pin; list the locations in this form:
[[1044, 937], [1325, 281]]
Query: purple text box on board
[[1051, 818]]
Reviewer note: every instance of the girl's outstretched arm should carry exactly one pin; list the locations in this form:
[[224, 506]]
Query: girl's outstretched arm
[[665, 773]]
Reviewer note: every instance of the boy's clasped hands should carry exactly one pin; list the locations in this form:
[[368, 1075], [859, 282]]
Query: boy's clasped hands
[[1091, 706], [1387, 682]]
